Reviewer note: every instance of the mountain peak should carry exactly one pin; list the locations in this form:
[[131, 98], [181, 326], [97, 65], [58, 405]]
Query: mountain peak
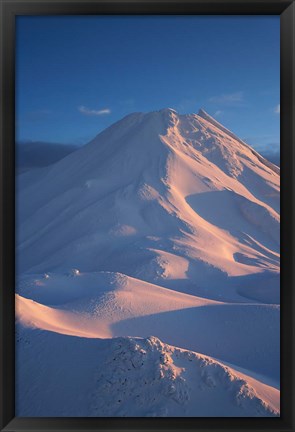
[[202, 112], [151, 176]]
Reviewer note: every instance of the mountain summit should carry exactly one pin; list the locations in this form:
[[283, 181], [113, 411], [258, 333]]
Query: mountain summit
[[148, 260], [161, 195]]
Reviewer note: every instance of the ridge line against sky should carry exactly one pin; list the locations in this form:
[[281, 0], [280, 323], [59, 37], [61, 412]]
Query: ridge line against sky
[[77, 75]]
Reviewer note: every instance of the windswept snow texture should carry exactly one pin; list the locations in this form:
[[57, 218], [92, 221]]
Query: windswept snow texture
[[148, 275]]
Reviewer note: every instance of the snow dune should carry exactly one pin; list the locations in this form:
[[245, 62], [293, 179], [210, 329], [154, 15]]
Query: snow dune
[[89, 304]]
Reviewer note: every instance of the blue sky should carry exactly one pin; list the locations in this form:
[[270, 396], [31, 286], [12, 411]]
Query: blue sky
[[77, 75]]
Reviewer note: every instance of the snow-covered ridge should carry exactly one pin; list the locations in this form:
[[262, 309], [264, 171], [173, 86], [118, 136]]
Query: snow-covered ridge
[[145, 377], [211, 120]]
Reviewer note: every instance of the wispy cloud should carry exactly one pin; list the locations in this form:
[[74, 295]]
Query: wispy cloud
[[277, 109], [228, 98], [91, 112], [218, 113]]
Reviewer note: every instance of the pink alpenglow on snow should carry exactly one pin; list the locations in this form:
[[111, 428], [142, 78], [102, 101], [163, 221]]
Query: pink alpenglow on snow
[[148, 275]]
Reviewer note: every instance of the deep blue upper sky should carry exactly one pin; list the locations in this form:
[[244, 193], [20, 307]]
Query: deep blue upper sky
[[77, 75]]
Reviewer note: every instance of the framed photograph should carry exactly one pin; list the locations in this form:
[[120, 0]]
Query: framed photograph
[[146, 215]]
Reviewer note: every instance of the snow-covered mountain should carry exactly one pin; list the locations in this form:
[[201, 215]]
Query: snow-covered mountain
[[172, 223]]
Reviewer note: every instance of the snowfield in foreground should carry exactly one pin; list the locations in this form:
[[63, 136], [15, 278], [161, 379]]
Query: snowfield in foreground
[[170, 224], [132, 377]]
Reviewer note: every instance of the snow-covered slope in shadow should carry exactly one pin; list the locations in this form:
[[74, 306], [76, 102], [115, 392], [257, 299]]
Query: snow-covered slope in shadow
[[131, 377]]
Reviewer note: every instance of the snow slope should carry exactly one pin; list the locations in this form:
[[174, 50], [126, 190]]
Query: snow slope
[[173, 224]]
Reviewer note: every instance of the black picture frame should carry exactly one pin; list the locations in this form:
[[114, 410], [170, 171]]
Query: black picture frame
[[9, 10]]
